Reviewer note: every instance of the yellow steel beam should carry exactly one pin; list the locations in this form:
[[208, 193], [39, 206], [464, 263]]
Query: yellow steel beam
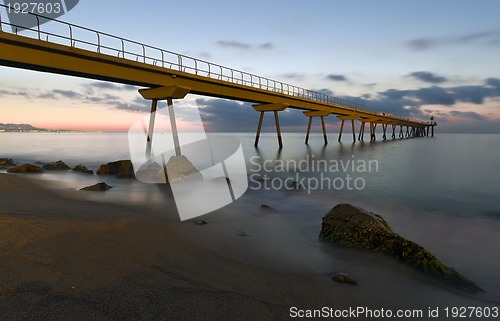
[[350, 117], [270, 107], [316, 113], [164, 92]]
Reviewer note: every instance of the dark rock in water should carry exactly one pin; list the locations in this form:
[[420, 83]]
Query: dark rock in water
[[180, 169], [242, 234], [99, 187], [294, 185], [6, 162], [267, 208], [82, 169], [201, 222], [56, 166], [151, 173], [121, 168], [346, 224], [26, 168], [345, 278]]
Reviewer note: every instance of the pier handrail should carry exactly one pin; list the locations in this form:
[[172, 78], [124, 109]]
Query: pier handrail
[[158, 57]]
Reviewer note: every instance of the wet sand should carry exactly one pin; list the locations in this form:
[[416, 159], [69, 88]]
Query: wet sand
[[63, 258]]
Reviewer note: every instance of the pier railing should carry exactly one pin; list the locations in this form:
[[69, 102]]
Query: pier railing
[[75, 36]]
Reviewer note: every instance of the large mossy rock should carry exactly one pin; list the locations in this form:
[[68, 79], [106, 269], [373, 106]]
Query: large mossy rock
[[346, 224], [56, 166], [6, 162], [121, 168], [180, 169], [82, 169], [26, 168], [99, 187]]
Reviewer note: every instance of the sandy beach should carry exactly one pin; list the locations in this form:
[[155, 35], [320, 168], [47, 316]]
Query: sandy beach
[[63, 258]]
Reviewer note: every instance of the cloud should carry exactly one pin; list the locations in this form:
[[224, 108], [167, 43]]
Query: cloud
[[421, 44], [294, 76], [233, 44], [334, 77], [324, 91], [103, 85], [4, 92], [58, 94], [244, 46], [220, 115], [205, 55], [489, 37], [468, 114], [427, 77], [433, 96], [138, 104], [409, 103], [266, 46]]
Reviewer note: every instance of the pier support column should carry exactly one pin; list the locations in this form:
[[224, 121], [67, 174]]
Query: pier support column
[[343, 118], [257, 136], [275, 108], [384, 127], [308, 130], [321, 114], [393, 131], [373, 127], [341, 129], [353, 132], [278, 129], [401, 131], [152, 116], [433, 123], [361, 136], [173, 126], [163, 93], [324, 129]]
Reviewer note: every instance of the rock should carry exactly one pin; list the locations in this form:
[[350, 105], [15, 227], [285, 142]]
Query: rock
[[267, 208], [294, 185], [82, 169], [179, 168], [242, 234], [6, 162], [346, 224], [99, 187], [344, 278], [151, 173], [26, 168], [121, 168], [56, 166], [200, 222]]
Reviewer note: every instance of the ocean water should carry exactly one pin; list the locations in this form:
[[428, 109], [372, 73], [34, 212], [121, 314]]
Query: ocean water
[[441, 192]]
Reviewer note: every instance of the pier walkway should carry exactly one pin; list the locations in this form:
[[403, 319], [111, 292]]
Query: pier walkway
[[62, 48]]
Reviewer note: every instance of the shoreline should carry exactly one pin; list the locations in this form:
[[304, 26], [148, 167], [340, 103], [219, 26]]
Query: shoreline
[[111, 261]]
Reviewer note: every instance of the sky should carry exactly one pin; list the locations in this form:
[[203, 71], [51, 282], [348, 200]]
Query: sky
[[411, 58]]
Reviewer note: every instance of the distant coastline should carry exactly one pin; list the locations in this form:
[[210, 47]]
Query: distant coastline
[[27, 128]]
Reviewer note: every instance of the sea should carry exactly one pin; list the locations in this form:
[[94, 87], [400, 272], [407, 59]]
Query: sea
[[442, 192]]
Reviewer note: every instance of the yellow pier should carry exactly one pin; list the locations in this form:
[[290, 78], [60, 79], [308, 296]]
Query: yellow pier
[[167, 75]]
